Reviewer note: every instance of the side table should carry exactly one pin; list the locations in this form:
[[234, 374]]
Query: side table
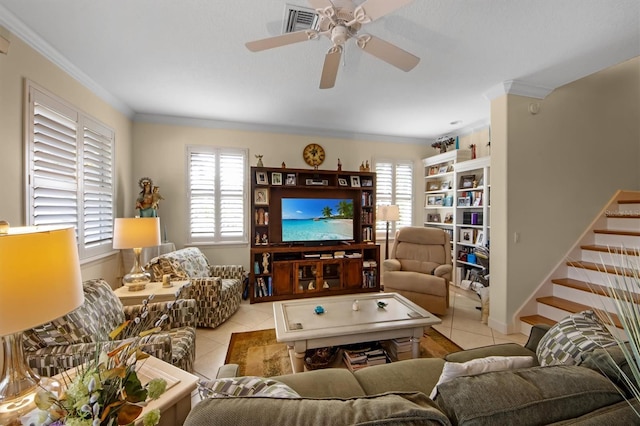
[[162, 294]]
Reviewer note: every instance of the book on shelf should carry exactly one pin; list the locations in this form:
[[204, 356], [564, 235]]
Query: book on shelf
[[363, 355], [326, 256], [312, 255], [338, 254]]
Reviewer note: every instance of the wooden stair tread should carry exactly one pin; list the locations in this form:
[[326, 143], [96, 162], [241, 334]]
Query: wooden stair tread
[[622, 216], [631, 201], [598, 289], [537, 319], [630, 251], [609, 269], [573, 307], [617, 232]]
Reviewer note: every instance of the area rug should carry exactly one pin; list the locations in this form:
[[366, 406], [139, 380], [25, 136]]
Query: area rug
[[258, 354]]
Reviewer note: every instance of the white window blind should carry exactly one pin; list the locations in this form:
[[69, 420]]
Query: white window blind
[[394, 185], [216, 193], [69, 171]]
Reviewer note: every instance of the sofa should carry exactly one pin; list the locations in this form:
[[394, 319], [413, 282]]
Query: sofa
[[75, 338], [217, 289], [419, 267], [398, 394]]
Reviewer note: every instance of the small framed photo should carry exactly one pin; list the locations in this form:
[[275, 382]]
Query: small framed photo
[[480, 239], [435, 217], [448, 218], [367, 181], [435, 200], [445, 185], [276, 178], [466, 181], [442, 169], [466, 235], [261, 178], [477, 201], [464, 201], [291, 179], [433, 185], [343, 182], [261, 196], [355, 181]]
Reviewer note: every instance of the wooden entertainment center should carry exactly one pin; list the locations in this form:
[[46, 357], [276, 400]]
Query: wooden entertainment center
[[291, 268]]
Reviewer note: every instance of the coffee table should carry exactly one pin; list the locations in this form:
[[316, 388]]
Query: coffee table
[[301, 328]]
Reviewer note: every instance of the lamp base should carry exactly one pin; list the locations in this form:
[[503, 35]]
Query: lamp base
[[18, 384], [136, 281]]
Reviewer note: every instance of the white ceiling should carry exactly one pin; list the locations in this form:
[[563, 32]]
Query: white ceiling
[[186, 58]]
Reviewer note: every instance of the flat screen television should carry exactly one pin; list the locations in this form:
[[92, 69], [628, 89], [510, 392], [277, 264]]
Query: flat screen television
[[317, 220]]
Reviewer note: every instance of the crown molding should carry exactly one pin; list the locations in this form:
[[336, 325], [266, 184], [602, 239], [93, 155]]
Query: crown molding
[[518, 87], [19, 29]]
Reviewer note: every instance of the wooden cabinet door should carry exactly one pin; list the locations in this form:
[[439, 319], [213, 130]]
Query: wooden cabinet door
[[282, 279], [352, 273]]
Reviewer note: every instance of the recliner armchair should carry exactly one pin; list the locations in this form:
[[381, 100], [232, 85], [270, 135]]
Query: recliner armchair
[[419, 267]]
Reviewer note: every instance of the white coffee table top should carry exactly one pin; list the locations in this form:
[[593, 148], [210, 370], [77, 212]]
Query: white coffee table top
[[297, 320]]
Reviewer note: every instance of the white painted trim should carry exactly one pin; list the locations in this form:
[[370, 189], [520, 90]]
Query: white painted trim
[[518, 87]]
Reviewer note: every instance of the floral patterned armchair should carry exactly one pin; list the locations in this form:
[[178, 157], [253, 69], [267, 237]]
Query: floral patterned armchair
[[75, 338], [217, 289]]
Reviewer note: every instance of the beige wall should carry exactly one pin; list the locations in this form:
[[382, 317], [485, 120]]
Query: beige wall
[[22, 62], [552, 172], [160, 150]]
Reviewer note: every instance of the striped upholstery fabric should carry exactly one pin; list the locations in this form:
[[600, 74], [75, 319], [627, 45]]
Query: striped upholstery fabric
[[74, 338], [217, 289]]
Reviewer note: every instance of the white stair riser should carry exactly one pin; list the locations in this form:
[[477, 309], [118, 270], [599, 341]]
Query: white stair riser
[[551, 312], [623, 224], [613, 240], [583, 297], [605, 258], [628, 208], [525, 328]]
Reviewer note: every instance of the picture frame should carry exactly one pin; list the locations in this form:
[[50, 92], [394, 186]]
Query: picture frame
[[464, 201], [448, 218], [442, 169], [261, 197], [343, 182], [276, 178], [433, 170], [480, 238], [355, 181], [366, 181], [433, 217], [444, 185], [433, 185], [477, 201], [466, 236], [261, 178], [435, 200], [466, 181], [291, 179]]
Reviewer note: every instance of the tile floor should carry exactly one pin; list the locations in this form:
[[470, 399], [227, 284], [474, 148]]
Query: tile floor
[[462, 325]]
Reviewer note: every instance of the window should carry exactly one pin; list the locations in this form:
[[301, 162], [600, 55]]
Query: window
[[69, 171], [394, 185], [216, 194]]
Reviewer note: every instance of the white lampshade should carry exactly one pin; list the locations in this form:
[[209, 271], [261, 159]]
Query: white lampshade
[[40, 277], [136, 232], [388, 213]]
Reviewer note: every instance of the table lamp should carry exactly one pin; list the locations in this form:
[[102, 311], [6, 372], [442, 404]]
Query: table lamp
[[40, 281], [388, 213], [136, 233]]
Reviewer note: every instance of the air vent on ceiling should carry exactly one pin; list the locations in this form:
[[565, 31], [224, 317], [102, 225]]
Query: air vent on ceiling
[[298, 18]]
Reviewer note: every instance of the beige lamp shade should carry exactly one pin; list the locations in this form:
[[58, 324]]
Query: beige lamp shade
[[136, 232], [388, 213], [40, 277]]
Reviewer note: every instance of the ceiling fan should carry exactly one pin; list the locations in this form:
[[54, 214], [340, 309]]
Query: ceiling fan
[[340, 20]]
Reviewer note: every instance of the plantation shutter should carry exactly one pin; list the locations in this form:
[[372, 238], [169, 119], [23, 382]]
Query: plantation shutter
[[216, 194], [394, 185], [69, 171]]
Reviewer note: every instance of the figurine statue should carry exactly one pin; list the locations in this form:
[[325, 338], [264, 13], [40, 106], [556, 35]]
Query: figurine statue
[[311, 286], [339, 165], [265, 263], [259, 157], [257, 238], [265, 239], [144, 202], [156, 197], [284, 166]]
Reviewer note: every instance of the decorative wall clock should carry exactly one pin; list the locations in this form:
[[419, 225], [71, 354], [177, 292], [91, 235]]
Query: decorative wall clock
[[313, 155]]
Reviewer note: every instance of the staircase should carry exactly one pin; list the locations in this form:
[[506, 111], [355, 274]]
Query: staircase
[[580, 281]]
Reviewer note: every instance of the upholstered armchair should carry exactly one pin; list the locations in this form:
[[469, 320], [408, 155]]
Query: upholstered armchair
[[419, 267], [217, 289], [75, 338]]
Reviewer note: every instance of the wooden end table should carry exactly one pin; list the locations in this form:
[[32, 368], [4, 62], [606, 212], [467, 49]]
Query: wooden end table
[[162, 294]]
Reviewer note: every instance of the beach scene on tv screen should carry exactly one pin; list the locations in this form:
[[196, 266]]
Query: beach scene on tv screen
[[317, 219]]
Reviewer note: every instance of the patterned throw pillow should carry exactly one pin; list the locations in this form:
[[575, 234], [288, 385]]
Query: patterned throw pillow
[[161, 266], [245, 386], [573, 335]]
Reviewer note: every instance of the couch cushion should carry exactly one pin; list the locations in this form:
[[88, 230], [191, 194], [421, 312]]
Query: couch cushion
[[245, 386], [504, 349], [411, 375], [161, 266], [388, 409], [329, 382], [612, 363], [531, 396], [476, 366], [571, 336]]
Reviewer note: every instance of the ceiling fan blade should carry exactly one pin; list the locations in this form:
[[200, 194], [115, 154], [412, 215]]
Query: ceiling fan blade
[[320, 4], [375, 9], [281, 40], [330, 68], [388, 52]]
